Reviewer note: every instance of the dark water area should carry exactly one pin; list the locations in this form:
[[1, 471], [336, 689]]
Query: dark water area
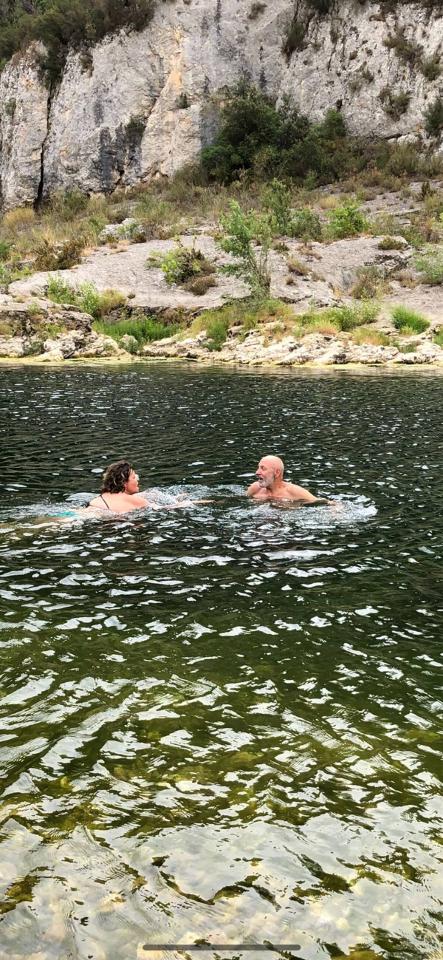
[[221, 723]]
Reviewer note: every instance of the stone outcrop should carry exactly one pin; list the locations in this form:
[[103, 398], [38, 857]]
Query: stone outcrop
[[39, 328], [142, 105], [317, 349]]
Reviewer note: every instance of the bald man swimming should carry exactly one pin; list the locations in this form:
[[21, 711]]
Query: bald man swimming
[[271, 486]]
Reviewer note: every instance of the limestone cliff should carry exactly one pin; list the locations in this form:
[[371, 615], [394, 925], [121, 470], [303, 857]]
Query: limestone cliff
[[141, 105]]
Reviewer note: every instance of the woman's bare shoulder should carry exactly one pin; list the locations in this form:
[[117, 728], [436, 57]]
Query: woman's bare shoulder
[[97, 502]]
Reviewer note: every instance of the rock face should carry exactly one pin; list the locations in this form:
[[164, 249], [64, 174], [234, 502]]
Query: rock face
[[23, 128], [144, 104]]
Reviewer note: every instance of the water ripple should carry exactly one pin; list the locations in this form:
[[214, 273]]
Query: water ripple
[[222, 722]]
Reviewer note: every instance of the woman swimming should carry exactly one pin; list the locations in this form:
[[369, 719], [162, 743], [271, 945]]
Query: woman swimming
[[120, 490]]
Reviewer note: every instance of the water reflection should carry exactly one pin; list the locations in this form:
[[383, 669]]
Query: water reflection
[[223, 722]]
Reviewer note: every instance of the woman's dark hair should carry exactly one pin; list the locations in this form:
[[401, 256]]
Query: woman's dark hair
[[115, 477]]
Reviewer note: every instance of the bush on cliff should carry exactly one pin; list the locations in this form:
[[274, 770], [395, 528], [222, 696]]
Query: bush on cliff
[[266, 140]]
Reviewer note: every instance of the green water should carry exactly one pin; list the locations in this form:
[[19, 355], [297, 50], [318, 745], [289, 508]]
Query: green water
[[222, 723]]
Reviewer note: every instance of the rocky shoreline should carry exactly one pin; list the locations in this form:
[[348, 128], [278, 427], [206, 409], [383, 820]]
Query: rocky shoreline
[[304, 277]]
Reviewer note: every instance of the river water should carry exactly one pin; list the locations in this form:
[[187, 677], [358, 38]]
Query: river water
[[221, 724]]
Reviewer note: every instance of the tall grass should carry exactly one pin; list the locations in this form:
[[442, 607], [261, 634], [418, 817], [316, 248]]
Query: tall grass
[[430, 264], [344, 318], [85, 297], [409, 321], [143, 328]]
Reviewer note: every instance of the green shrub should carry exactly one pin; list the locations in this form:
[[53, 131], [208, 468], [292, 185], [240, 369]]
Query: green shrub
[[407, 347], [321, 6], [430, 264], [369, 283], [406, 50], [343, 318], [407, 158], [256, 9], [395, 104], [250, 313], [306, 225], [350, 317], [375, 338], [298, 267], [5, 249], [346, 220], [183, 102], [314, 323], [438, 338], [359, 79], [405, 319], [434, 118], [431, 67], [183, 264], [270, 141], [277, 201], [295, 37], [66, 206], [58, 255], [10, 106], [242, 232], [216, 332], [9, 272]]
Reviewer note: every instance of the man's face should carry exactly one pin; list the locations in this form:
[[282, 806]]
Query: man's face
[[265, 473]]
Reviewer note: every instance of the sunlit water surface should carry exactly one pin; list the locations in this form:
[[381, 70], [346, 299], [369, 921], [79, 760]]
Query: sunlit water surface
[[221, 723]]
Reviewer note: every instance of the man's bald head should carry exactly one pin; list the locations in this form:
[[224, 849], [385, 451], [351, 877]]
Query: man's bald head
[[275, 462], [270, 470]]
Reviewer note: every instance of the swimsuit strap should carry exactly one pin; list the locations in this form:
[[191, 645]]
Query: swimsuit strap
[[104, 501]]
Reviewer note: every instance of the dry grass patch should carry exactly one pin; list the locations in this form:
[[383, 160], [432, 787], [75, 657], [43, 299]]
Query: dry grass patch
[[373, 337], [369, 283], [19, 219], [298, 267], [325, 327], [328, 202], [200, 285]]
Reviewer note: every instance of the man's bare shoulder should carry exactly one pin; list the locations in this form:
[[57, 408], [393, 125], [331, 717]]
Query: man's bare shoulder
[[294, 492], [253, 489]]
